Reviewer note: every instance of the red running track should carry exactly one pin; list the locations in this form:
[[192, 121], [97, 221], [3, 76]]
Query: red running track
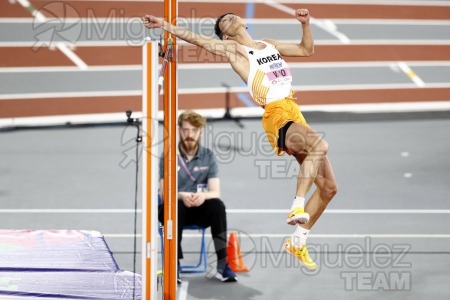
[[129, 55]]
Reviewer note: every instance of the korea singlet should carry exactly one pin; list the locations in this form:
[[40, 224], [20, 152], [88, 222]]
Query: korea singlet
[[269, 78]]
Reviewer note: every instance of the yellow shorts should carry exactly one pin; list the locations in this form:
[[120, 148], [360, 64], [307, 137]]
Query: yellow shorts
[[276, 115]]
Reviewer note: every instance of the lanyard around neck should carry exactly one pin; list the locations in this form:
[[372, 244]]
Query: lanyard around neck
[[183, 164]]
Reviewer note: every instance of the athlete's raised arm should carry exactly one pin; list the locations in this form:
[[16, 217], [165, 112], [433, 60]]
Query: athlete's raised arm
[[306, 45], [217, 47]]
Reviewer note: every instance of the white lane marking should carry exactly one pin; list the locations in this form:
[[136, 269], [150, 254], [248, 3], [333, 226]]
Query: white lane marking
[[378, 107], [254, 21], [67, 211], [347, 211], [404, 154], [355, 42], [61, 46], [229, 211], [71, 94], [361, 2], [411, 74], [226, 66], [388, 22], [320, 236], [183, 290], [71, 69], [326, 25], [237, 112]]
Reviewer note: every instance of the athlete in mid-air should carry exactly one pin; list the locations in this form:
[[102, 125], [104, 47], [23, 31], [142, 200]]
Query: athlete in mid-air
[[261, 66]]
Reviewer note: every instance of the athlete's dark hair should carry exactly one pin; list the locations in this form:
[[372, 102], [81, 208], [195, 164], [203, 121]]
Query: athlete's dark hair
[[216, 26]]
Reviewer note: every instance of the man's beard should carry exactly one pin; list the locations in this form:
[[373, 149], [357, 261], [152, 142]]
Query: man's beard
[[190, 145]]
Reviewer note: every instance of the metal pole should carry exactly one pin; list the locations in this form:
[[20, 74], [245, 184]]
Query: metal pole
[[170, 161], [149, 243]]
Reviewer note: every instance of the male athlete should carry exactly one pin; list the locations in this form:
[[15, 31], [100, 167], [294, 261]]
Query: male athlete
[[268, 77]]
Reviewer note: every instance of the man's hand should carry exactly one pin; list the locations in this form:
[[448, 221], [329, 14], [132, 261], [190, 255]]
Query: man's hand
[[152, 21], [199, 199], [302, 15], [187, 198], [192, 199]]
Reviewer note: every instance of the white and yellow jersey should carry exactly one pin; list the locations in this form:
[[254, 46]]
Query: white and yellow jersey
[[270, 77]]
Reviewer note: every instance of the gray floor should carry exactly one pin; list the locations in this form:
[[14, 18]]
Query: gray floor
[[380, 165]]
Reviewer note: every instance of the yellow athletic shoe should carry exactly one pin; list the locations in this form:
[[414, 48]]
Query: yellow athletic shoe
[[301, 253], [297, 216]]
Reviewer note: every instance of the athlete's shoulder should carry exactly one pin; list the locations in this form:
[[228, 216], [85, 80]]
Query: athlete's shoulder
[[271, 42]]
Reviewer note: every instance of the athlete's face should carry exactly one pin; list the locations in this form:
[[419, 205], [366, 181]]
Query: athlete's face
[[230, 24], [189, 136]]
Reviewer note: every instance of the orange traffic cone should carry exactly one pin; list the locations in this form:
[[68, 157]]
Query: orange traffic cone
[[234, 258]]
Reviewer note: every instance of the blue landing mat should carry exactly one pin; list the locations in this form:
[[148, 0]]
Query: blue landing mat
[[61, 264]]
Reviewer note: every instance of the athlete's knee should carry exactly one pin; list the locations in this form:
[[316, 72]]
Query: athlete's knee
[[329, 192], [333, 190]]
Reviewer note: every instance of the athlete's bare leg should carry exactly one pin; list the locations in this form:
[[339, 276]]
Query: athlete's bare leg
[[326, 189], [304, 142]]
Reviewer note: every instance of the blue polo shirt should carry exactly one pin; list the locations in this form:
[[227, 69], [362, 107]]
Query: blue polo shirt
[[197, 171]]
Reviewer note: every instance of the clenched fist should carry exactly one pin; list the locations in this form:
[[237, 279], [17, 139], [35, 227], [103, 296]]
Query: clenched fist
[[152, 21], [302, 15]]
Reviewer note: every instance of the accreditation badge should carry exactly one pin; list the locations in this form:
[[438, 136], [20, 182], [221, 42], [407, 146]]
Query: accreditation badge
[[202, 187]]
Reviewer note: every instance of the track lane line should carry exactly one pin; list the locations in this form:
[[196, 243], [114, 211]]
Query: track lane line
[[411, 74], [229, 211], [311, 235], [61, 46]]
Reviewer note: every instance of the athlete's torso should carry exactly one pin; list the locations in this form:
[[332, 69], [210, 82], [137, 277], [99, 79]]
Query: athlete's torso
[[269, 75]]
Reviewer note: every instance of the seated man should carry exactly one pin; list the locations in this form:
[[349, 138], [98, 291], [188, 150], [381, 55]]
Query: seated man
[[199, 190]]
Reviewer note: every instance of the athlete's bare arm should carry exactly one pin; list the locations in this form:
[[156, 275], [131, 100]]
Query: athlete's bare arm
[[214, 46], [306, 45], [228, 48]]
